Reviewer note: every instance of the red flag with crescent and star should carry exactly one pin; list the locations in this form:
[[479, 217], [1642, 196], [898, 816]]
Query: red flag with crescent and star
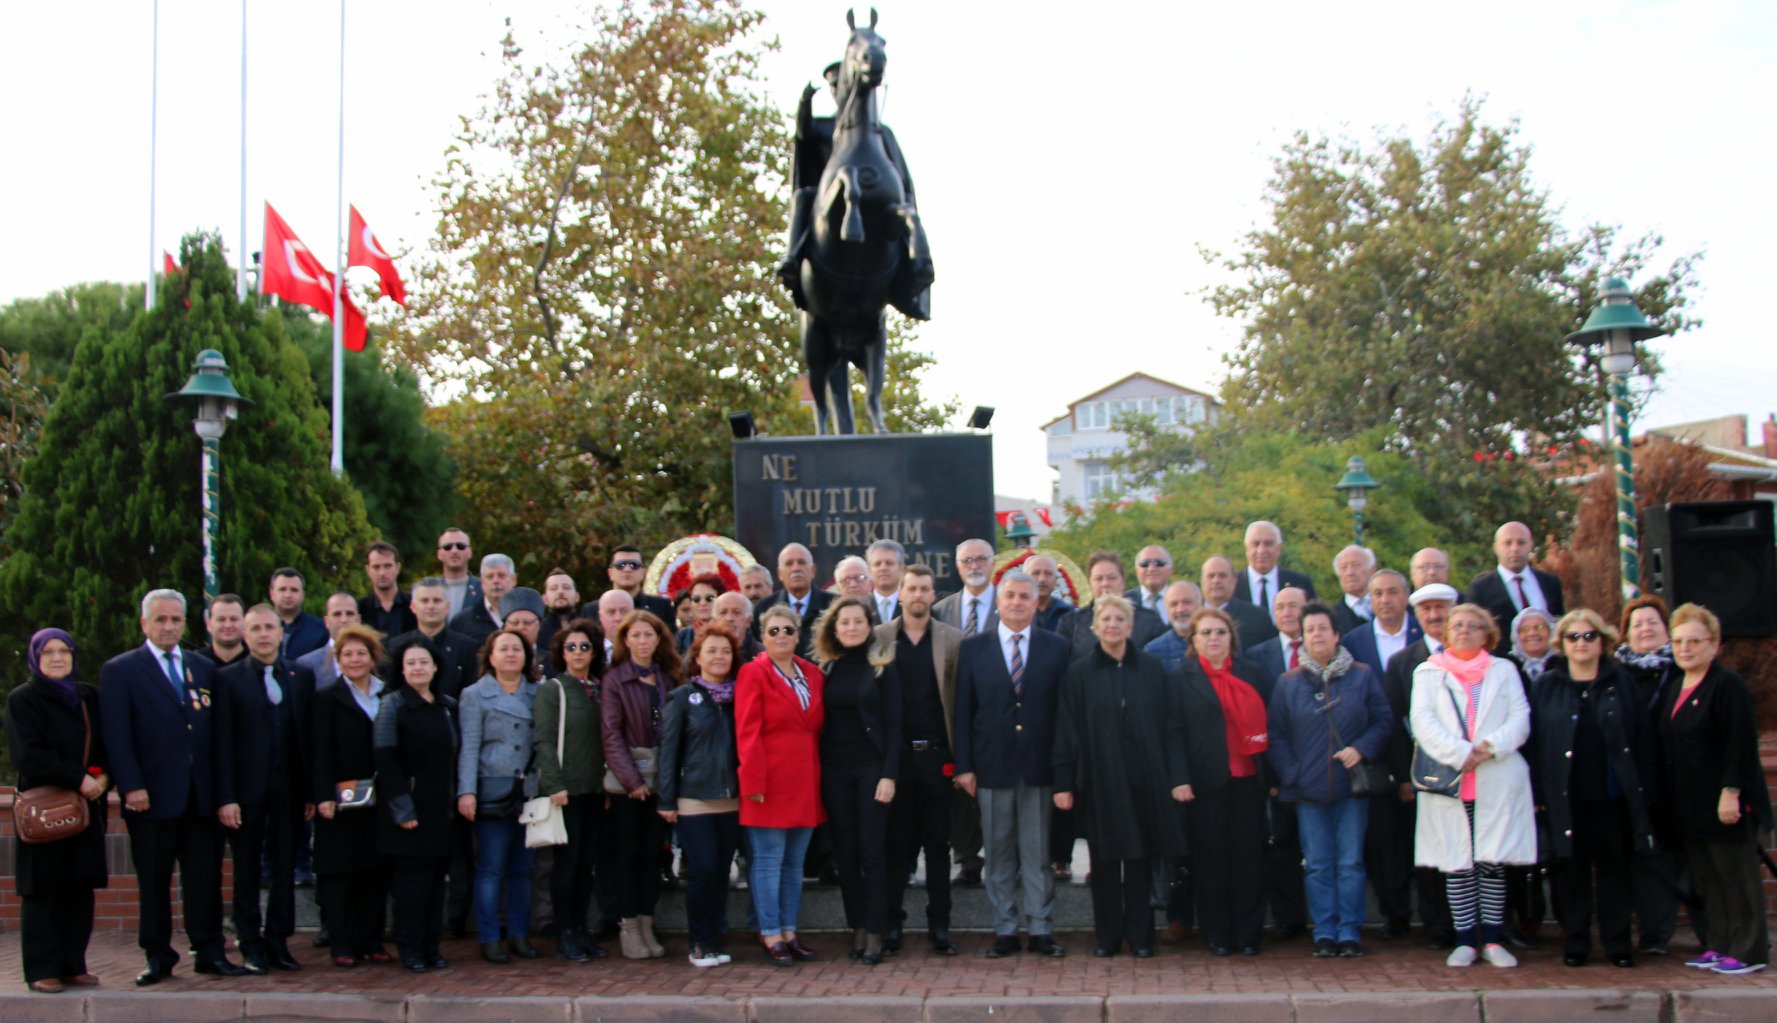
[[365, 250], [292, 273]]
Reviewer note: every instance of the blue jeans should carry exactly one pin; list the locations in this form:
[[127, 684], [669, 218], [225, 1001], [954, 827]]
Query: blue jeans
[[500, 855], [775, 875], [1333, 846]]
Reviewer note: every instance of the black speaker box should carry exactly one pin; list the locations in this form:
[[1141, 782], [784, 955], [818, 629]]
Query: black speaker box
[[1720, 554]]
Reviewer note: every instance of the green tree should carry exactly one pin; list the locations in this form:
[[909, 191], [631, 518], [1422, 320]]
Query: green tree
[[49, 328], [1426, 287], [601, 290], [22, 408], [111, 503], [393, 458]]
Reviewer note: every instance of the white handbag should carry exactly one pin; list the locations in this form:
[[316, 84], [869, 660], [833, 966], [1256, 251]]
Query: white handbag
[[542, 819]]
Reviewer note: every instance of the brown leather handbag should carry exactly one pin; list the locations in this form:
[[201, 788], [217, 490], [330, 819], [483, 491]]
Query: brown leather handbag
[[49, 813]]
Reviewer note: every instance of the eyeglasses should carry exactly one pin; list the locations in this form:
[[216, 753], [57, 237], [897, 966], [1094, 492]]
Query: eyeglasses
[[707, 598], [1152, 563], [855, 579], [1212, 632], [629, 565], [453, 546], [577, 648], [1466, 627], [1589, 636], [781, 630], [978, 559]]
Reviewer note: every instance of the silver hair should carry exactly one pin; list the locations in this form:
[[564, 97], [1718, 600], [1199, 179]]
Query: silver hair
[[973, 539], [498, 561], [1389, 571], [1353, 547], [154, 595], [754, 569], [888, 545], [1018, 575], [1273, 525]]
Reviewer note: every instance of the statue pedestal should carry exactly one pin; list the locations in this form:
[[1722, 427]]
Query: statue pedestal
[[837, 495]]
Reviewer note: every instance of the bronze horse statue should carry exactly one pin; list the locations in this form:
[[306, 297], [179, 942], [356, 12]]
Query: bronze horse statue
[[856, 244]]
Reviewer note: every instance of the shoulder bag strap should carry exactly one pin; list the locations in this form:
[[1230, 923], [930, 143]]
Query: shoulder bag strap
[[1461, 719], [86, 750], [561, 724]]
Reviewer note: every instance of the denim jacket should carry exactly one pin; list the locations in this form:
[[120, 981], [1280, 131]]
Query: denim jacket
[[496, 739]]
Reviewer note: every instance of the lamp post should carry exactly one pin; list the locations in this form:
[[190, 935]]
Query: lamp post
[[1615, 326], [1018, 530], [1356, 485], [217, 403]]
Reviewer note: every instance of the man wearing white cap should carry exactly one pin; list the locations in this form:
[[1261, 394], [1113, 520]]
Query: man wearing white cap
[[1431, 603]]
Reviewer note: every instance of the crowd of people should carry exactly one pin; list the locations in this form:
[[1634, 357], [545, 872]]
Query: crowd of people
[[1228, 748]]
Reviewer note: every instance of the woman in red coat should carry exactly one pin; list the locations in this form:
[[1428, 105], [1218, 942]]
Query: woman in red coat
[[777, 720]]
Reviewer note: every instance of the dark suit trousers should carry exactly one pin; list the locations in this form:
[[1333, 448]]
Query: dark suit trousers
[[353, 902], [570, 879], [1120, 907], [919, 820], [267, 830], [1602, 841], [965, 831], [858, 825], [1388, 856], [1227, 840], [192, 842], [418, 887], [53, 934], [1283, 868]]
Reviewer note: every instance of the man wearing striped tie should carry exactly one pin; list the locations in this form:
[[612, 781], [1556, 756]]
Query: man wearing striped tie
[[973, 610]]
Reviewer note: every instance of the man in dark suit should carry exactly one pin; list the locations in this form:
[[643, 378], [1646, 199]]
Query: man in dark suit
[[156, 711], [481, 618], [919, 819], [627, 570], [1514, 585], [261, 735], [1283, 847], [1008, 682], [1261, 579], [972, 608], [1104, 574], [887, 560], [460, 666], [795, 570], [1281, 652], [1431, 606], [1217, 582], [1153, 573], [341, 611], [302, 631], [1354, 565], [1390, 630]]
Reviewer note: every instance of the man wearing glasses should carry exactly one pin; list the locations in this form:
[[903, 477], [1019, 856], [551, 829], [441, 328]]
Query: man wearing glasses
[[460, 588], [626, 570], [971, 608], [795, 570], [1153, 569]]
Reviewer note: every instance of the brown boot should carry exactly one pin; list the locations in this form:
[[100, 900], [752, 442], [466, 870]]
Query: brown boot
[[629, 938]]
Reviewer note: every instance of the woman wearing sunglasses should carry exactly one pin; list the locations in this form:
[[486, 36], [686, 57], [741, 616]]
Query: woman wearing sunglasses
[[1590, 758], [570, 774], [701, 595], [777, 718]]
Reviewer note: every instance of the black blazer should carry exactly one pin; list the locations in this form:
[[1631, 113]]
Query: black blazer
[[1711, 743], [1206, 731], [1077, 630], [254, 738], [1253, 625], [157, 740], [1344, 618], [344, 750], [879, 704], [1003, 739], [1285, 578], [817, 601], [474, 621], [1272, 658], [1489, 591], [1397, 687], [461, 656]]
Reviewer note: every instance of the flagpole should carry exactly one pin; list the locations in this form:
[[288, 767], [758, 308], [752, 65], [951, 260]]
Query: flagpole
[[339, 276], [240, 270], [153, 118]]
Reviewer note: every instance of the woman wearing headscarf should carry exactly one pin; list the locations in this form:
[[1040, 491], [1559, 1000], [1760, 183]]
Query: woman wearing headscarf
[[1709, 742], [1326, 717], [416, 773], [52, 731], [1223, 705], [1591, 766], [1646, 654], [1533, 641], [1469, 711], [1120, 758]]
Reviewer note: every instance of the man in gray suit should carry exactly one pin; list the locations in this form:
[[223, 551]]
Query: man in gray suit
[[971, 608], [342, 610]]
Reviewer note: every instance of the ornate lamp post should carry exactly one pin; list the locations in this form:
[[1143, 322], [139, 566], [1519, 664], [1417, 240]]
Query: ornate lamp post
[[217, 403], [1356, 485], [1018, 530], [1615, 327]]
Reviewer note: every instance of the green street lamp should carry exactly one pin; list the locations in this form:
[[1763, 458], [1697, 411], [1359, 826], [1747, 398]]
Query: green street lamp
[[1018, 530], [1356, 485], [217, 403], [1615, 327]]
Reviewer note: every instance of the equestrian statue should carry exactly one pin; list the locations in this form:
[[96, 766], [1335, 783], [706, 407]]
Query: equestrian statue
[[856, 244]]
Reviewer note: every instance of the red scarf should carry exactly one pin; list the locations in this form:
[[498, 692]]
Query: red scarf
[[1243, 714]]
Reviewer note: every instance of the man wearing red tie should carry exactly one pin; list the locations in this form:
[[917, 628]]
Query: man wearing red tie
[[1514, 585]]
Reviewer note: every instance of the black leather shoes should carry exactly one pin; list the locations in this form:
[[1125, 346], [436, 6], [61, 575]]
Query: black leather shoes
[[494, 953], [278, 957], [1044, 945], [255, 964], [1622, 961], [154, 974], [1249, 950], [1103, 952], [1216, 948], [1003, 946], [941, 943], [1143, 952], [523, 949], [891, 940], [414, 964], [220, 968], [1574, 959]]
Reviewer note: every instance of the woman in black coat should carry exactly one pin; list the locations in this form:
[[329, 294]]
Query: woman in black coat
[[1590, 769], [416, 772], [1120, 760], [50, 721], [860, 763], [350, 873], [1709, 745], [1222, 701]]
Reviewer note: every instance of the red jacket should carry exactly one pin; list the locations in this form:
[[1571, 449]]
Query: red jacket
[[779, 746]]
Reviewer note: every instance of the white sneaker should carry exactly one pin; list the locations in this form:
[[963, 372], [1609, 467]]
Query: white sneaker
[[1461, 955], [702, 959], [1499, 956], [724, 958]]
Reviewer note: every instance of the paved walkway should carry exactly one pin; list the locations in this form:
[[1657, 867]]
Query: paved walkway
[[1398, 980]]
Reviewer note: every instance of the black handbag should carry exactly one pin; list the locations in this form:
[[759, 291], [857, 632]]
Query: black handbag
[[1432, 775], [1369, 777], [502, 804]]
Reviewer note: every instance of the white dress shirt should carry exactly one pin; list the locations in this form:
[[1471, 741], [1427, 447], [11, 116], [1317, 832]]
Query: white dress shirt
[[1252, 590], [1006, 644], [983, 600], [1532, 589], [1388, 644], [1360, 606]]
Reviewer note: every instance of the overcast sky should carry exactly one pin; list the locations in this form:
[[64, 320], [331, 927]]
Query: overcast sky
[[1070, 158]]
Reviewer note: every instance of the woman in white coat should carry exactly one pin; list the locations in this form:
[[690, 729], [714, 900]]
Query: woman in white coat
[[1468, 710]]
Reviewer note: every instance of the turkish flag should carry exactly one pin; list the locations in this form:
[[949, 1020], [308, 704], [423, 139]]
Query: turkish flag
[[170, 266], [292, 273], [364, 250]]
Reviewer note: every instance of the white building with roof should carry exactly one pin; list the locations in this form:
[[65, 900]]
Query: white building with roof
[[1082, 442]]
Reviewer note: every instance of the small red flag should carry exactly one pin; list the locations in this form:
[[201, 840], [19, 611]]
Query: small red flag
[[292, 273], [171, 267], [365, 250]]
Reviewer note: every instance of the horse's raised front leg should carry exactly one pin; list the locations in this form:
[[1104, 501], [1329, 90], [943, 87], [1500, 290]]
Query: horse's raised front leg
[[818, 357], [852, 230], [875, 367]]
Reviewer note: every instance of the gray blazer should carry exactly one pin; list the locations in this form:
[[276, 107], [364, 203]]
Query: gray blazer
[[496, 736]]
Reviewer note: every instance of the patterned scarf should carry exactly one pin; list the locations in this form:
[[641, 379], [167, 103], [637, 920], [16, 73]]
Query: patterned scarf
[[1337, 667], [720, 692], [1653, 660]]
